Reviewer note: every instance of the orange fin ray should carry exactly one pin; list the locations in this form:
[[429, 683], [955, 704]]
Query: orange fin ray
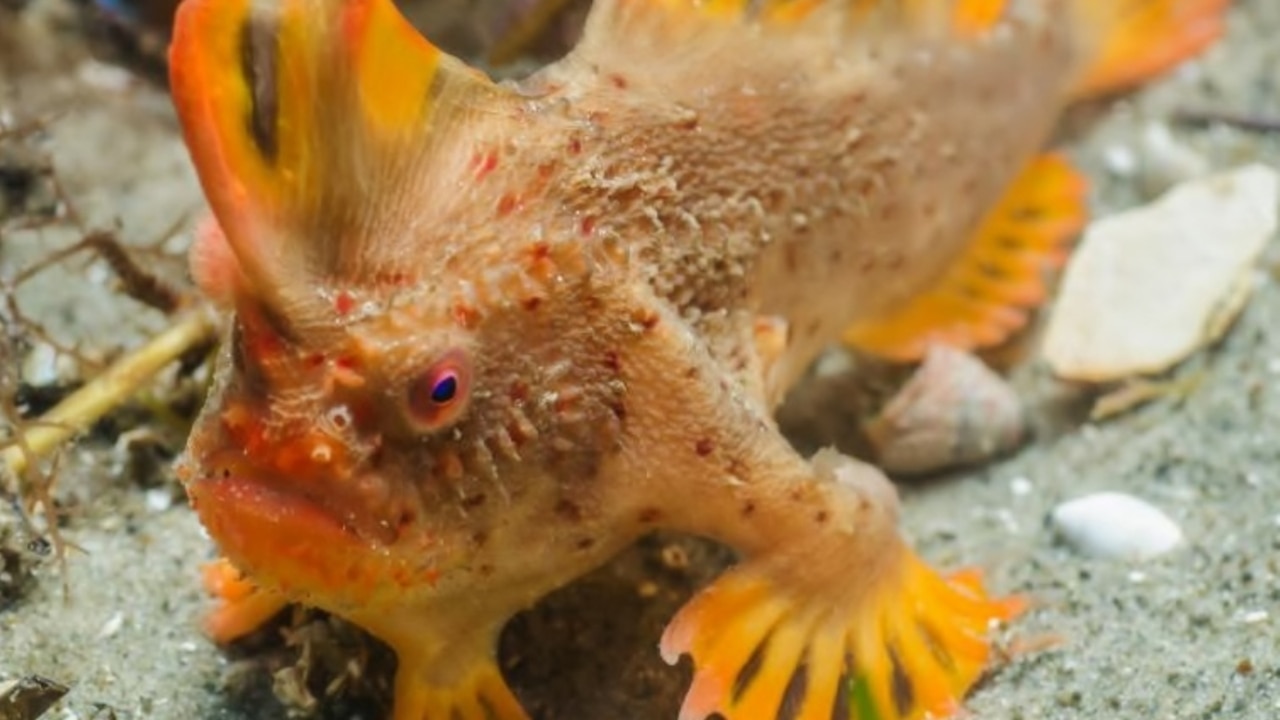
[[1140, 39], [905, 649], [985, 296]]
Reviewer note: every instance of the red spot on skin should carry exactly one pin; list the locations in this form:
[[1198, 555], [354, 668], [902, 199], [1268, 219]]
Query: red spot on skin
[[484, 163], [703, 447], [539, 251], [465, 315], [588, 225], [394, 278], [506, 204], [343, 303], [531, 303], [575, 146], [346, 362], [545, 170], [618, 81], [611, 361], [315, 360]]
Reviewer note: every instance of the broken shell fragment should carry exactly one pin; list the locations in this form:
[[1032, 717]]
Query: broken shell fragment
[[1150, 286], [953, 411], [29, 697]]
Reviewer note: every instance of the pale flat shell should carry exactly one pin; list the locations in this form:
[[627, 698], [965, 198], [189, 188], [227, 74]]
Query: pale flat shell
[[1150, 286], [1114, 525]]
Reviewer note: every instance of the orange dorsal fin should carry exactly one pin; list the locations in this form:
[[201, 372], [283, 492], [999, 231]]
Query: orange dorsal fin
[[1130, 41], [984, 296], [781, 13], [313, 125], [966, 18]]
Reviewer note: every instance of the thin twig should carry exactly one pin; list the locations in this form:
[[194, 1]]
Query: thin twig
[[108, 390], [1202, 118]]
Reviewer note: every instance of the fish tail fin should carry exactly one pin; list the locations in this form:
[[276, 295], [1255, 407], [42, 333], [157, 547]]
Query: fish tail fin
[[986, 293], [909, 645], [1132, 41]]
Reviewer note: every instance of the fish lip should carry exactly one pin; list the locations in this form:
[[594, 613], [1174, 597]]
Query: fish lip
[[279, 536]]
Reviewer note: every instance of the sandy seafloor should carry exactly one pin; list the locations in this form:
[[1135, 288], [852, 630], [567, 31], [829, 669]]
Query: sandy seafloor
[[1192, 635]]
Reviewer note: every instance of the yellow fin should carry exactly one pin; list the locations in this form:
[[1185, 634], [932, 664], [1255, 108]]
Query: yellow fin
[[1137, 39], [479, 694], [984, 296], [974, 17], [312, 125], [907, 647]]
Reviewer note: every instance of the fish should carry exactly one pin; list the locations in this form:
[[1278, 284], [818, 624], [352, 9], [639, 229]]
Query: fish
[[481, 336]]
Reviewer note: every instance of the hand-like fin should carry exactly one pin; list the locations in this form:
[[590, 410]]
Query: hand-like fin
[[909, 648]]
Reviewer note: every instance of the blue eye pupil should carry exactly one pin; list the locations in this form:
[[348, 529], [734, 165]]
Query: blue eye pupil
[[444, 390]]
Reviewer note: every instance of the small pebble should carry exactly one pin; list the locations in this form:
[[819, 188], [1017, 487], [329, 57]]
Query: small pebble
[[1115, 526], [1120, 160], [1020, 486], [159, 499], [1254, 617], [111, 626]]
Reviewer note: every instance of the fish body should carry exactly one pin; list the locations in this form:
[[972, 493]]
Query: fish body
[[481, 337]]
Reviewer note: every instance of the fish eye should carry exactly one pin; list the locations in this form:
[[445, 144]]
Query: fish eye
[[438, 395]]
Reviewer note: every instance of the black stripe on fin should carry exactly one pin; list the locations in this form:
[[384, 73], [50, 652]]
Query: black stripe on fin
[[258, 63]]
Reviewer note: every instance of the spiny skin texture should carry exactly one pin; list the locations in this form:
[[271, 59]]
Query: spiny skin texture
[[485, 337]]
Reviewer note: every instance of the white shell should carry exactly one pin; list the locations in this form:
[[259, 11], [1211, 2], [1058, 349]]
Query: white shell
[[1114, 525], [1150, 286]]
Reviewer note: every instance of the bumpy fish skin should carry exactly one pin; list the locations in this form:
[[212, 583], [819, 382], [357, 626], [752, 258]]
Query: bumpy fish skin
[[482, 337]]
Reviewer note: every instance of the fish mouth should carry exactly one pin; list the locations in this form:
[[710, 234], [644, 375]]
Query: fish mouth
[[281, 538]]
